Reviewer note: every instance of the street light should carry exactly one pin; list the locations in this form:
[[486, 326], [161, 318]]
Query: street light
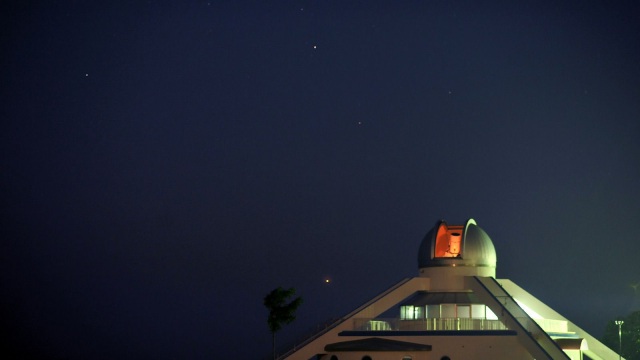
[[619, 323]]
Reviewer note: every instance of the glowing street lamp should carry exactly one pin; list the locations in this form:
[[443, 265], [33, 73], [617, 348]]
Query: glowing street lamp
[[619, 323]]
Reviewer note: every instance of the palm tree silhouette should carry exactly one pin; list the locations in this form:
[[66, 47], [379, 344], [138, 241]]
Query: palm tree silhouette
[[280, 312]]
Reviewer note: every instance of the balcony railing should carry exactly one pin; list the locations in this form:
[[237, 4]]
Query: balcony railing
[[394, 324]]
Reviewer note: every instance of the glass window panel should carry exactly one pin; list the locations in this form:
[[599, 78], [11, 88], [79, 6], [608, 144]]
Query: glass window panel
[[379, 325], [418, 312], [433, 311], [477, 311], [464, 311], [406, 312], [491, 315], [448, 310]]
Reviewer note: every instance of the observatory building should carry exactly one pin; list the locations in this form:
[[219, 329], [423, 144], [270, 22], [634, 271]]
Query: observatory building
[[454, 309]]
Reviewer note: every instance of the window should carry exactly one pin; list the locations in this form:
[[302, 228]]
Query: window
[[464, 311], [448, 310], [477, 311], [410, 312], [406, 312], [379, 325], [418, 313], [491, 315], [433, 311]]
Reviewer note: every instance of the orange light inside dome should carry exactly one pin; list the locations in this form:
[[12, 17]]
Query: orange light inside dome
[[448, 241]]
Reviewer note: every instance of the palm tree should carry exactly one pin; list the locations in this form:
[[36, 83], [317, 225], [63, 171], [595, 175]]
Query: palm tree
[[280, 312]]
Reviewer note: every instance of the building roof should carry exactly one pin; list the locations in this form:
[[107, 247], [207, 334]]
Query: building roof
[[473, 248]]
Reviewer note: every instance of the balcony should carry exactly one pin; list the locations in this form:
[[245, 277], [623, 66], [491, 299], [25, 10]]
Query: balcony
[[395, 324]]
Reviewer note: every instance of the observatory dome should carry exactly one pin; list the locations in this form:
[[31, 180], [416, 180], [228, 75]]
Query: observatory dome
[[456, 246]]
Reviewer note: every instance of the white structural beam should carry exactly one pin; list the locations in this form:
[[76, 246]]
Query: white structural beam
[[539, 344]]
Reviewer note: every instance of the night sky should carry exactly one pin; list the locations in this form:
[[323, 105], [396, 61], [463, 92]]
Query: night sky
[[164, 165]]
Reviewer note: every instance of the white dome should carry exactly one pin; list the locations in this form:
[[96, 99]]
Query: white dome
[[456, 245]]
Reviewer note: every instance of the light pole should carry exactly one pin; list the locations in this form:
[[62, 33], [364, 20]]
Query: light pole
[[619, 323]]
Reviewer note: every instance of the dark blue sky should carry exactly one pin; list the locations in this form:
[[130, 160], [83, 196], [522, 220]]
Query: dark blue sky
[[164, 165]]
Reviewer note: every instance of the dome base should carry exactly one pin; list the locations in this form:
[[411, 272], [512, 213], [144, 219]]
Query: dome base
[[448, 278]]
